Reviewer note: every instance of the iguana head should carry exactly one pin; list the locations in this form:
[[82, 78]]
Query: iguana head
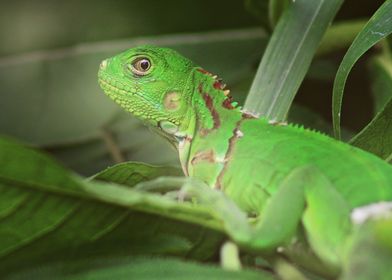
[[149, 82], [166, 91]]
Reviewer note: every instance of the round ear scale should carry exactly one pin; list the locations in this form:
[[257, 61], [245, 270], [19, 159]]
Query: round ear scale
[[168, 127], [172, 101]]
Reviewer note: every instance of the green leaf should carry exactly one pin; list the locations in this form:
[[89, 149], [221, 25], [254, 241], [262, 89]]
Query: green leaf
[[48, 213], [380, 69], [376, 137], [276, 9], [137, 268], [288, 56], [377, 28], [132, 173]]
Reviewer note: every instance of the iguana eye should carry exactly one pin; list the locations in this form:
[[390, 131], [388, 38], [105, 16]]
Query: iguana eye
[[140, 66]]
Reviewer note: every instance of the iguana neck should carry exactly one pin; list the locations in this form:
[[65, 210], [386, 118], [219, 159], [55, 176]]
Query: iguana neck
[[210, 102], [211, 111]]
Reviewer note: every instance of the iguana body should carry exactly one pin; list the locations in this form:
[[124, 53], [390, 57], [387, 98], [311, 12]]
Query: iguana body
[[245, 157]]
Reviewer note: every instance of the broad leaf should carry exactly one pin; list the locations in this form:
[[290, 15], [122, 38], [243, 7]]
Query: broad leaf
[[132, 173], [137, 268], [377, 28], [48, 213]]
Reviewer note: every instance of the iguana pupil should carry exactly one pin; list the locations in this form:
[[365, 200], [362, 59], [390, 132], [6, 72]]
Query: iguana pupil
[[145, 64]]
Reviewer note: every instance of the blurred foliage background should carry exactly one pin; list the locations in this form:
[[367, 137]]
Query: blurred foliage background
[[50, 52]]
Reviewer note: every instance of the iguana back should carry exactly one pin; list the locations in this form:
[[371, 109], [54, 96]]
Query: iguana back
[[261, 155]]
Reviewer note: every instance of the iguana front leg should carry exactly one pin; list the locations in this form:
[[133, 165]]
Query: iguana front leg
[[190, 187], [306, 196]]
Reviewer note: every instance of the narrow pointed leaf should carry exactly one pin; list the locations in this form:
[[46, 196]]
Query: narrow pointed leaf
[[276, 9], [288, 56], [380, 69], [49, 213], [376, 137], [377, 28]]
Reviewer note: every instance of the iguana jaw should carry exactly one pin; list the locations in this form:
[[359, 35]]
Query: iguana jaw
[[117, 94], [129, 99], [120, 93]]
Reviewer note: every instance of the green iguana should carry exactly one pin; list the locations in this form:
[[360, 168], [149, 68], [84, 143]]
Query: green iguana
[[293, 179]]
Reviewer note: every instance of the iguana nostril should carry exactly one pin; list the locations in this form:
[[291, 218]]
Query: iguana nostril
[[103, 64]]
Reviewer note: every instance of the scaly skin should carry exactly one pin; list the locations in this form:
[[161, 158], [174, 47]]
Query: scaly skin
[[246, 158]]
